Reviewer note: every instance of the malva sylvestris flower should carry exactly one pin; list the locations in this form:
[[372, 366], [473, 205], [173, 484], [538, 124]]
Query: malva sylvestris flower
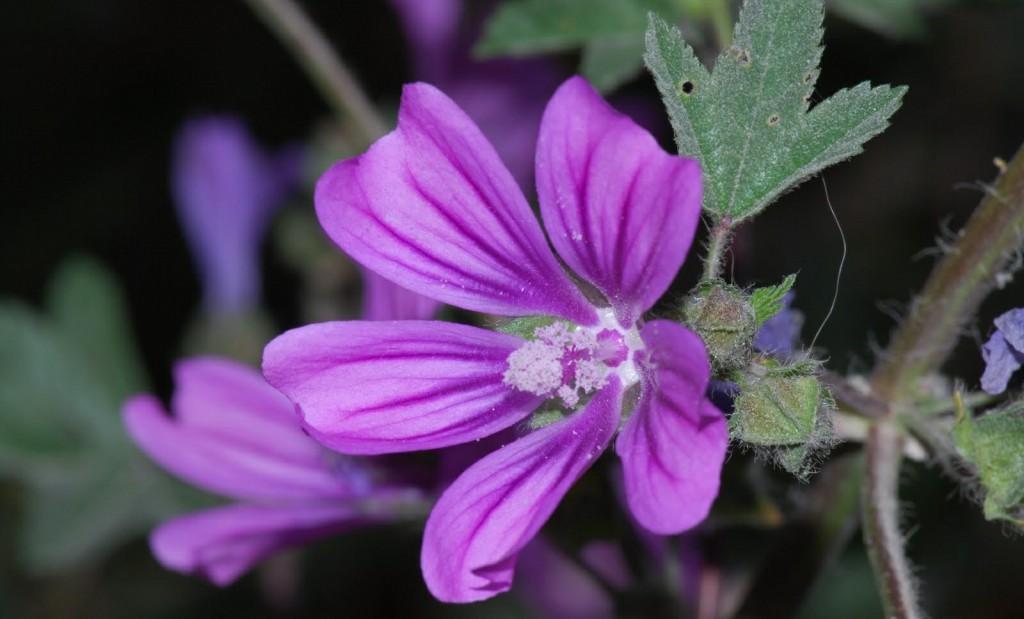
[[431, 207]]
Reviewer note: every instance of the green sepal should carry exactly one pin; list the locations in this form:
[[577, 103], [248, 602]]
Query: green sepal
[[526, 326], [994, 444], [783, 410], [767, 301]]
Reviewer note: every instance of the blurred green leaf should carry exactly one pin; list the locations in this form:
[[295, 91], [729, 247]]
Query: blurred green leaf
[[891, 18], [86, 506], [611, 33], [63, 378], [532, 26], [46, 406], [90, 314], [610, 62], [748, 123]]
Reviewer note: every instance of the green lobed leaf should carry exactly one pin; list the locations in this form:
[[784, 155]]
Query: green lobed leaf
[[747, 122], [767, 301]]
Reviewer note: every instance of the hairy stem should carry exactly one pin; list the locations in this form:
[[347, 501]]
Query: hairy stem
[[718, 243], [299, 34], [950, 297], [956, 287], [881, 522]]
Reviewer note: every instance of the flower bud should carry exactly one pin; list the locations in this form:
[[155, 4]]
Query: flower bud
[[784, 408], [723, 317]]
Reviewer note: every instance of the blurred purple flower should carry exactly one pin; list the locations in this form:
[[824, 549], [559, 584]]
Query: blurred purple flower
[[1004, 351], [431, 207], [556, 588], [226, 189], [234, 435], [779, 334], [505, 98]]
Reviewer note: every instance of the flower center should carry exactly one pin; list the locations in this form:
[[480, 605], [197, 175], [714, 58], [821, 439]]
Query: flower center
[[568, 361]]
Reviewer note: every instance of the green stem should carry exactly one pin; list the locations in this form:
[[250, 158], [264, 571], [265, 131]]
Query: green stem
[[299, 34], [718, 243]]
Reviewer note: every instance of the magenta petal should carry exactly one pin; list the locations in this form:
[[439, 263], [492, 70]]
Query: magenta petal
[[384, 300], [673, 446], [383, 387], [480, 524], [222, 544], [620, 211], [432, 208], [235, 468]]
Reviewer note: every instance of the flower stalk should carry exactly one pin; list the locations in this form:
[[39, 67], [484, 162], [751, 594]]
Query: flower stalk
[[332, 77], [718, 244]]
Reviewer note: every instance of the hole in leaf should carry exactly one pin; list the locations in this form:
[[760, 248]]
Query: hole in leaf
[[773, 120], [741, 55], [687, 87]]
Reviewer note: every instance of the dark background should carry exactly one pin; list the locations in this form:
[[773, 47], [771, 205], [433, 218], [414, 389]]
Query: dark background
[[93, 93]]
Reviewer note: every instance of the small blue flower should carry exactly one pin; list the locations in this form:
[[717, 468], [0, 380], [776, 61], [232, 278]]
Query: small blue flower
[[1004, 351]]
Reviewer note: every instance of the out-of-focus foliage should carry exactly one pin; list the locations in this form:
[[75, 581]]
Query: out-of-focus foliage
[[63, 375]]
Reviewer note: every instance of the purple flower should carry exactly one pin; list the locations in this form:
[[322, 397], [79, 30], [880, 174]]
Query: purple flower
[[431, 207], [1003, 352], [234, 435], [226, 189], [779, 334]]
